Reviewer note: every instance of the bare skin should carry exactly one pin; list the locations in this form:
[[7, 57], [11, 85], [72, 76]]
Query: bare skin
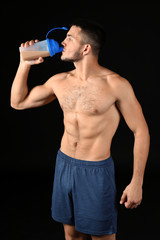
[[91, 98]]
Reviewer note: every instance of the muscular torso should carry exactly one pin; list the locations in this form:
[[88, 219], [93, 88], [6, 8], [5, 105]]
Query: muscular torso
[[90, 116]]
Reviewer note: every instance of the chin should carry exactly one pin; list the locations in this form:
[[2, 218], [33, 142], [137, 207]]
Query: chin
[[63, 58]]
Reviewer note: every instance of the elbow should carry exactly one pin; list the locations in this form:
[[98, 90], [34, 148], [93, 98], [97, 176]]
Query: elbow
[[12, 104], [15, 106]]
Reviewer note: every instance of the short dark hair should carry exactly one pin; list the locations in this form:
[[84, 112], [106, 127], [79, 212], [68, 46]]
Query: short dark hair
[[93, 33]]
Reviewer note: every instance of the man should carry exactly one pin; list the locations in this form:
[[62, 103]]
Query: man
[[91, 97]]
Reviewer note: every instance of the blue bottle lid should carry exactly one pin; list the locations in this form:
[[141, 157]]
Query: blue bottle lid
[[53, 45]]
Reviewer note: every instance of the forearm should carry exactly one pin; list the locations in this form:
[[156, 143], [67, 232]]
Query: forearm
[[141, 150], [19, 87]]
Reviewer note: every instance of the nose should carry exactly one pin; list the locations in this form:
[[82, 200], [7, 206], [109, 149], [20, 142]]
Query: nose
[[63, 43]]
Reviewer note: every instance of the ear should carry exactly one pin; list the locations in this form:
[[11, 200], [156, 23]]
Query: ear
[[87, 49]]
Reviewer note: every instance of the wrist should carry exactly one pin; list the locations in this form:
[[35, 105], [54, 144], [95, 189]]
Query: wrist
[[137, 180], [24, 65]]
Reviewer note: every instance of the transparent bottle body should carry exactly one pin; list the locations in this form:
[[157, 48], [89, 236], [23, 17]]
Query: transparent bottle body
[[39, 49]]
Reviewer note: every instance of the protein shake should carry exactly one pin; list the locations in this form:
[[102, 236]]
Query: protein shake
[[39, 49], [45, 48]]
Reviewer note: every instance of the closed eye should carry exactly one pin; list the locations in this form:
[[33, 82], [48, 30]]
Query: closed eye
[[69, 36]]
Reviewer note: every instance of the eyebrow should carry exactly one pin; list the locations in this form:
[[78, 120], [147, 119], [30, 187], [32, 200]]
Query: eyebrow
[[69, 35]]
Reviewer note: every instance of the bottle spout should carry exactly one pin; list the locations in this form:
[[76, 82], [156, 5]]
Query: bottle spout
[[53, 47]]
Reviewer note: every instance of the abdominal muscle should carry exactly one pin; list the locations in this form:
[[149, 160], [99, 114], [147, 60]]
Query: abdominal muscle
[[89, 137]]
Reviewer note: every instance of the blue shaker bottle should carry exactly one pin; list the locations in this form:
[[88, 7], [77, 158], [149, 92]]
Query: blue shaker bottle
[[45, 48]]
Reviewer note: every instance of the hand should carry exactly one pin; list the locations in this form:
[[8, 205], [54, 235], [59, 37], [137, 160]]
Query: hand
[[132, 195], [30, 62]]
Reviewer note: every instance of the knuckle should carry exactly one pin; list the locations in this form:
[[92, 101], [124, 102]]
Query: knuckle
[[26, 44], [31, 42], [127, 204]]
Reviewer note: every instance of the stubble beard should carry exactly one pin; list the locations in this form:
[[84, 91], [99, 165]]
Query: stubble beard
[[75, 58]]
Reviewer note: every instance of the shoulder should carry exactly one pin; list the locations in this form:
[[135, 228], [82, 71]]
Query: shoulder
[[58, 78], [120, 86], [112, 78], [115, 81]]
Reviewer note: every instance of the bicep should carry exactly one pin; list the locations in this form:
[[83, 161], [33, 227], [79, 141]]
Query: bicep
[[38, 96], [130, 108]]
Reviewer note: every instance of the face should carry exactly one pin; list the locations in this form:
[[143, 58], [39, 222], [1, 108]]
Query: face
[[72, 46]]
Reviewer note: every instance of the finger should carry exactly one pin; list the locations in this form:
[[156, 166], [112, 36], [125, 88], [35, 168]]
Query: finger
[[31, 42], [123, 198], [35, 62], [127, 204], [132, 206], [22, 44], [36, 40], [136, 205], [39, 60], [26, 44]]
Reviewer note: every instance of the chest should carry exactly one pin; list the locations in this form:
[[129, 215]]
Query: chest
[[86, 99]]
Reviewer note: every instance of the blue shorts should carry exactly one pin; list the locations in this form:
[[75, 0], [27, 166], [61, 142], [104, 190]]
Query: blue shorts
[[84, 195]]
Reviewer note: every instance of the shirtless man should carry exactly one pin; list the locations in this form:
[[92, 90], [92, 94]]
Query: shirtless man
[[92, 98]]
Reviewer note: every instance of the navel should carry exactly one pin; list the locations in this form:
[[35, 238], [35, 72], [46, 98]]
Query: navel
[[75, 144]]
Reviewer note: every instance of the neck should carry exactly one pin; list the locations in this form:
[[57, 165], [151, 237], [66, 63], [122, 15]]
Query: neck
[[86, 67]]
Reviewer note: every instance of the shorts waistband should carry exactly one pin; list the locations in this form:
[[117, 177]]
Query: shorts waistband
[[84, 162]]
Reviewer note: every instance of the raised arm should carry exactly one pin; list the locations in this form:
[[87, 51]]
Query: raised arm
[[38, 96], [133, 115]]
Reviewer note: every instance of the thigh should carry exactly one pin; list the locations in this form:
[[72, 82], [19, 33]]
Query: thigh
[[105, 237], [94, 198], [70, 232], [62, 205]]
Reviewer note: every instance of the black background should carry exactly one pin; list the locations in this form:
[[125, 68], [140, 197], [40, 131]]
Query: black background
[[30, 139]]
